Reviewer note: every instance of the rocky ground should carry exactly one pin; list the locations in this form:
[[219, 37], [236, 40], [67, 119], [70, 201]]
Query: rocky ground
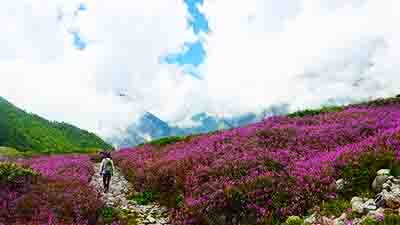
[[117, 197], [387, 201]]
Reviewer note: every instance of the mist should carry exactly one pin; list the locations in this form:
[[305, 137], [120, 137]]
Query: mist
[[259, 53]]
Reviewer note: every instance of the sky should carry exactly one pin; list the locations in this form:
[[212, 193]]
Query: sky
[[100, 64]]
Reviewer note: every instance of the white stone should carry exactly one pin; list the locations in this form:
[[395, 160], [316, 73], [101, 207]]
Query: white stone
[[357, 204], [383, 172], [340, 184], [378, 182], [311, 219]]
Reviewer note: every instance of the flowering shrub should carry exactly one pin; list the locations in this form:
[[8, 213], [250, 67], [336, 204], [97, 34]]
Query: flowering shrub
[[60, 195], [276, 168]]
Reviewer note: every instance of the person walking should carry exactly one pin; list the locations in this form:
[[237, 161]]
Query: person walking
[[107, 171]]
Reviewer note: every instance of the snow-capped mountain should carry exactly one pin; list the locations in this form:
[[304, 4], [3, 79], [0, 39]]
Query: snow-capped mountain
[[150, 127]]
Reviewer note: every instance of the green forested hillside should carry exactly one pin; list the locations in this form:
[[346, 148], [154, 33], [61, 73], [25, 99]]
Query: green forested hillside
[[29, 132]]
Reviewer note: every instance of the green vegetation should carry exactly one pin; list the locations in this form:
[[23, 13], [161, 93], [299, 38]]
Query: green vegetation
[[360, 174], [110, 215], [391, 219], [335, 207], [330, 109], [294, 220], [165, 141], [144, 198], [314, 112], [14, 153], [10, 172], [29, 132], [370, 221]]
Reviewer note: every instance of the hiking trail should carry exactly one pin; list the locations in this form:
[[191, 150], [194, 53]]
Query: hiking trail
[[151, 214]]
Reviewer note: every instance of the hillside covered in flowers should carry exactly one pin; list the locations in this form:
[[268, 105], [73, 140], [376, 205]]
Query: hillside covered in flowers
[[258, 174], [265, 172]]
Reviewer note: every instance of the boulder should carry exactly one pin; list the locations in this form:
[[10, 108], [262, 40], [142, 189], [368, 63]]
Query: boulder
[[357, 204], [379, 200], [363, 205], [369, 205], [377, 184], [392, 198], [383, 172]]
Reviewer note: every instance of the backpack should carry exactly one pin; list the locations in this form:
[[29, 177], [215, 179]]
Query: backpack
[[108, 165]]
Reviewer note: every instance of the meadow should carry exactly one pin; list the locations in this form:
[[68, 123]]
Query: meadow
[[262, 173]]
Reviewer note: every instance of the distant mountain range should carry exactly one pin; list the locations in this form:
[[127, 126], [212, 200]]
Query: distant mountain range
[[29, 132], [150, 127]]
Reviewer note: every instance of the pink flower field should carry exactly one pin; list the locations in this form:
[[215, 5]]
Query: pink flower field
[[264, 172], [57, 192]]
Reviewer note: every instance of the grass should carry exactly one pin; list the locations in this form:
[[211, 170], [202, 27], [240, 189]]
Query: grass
[[164, 141], [111, 215], [335, 207], [9, 172], [314, 112], [144, 198], [14, 153], [359, 175]]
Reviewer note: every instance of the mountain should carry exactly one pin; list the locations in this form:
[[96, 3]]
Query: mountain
[[26, 131], [150, 127]]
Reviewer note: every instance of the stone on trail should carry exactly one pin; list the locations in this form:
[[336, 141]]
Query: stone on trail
[[152, 214]]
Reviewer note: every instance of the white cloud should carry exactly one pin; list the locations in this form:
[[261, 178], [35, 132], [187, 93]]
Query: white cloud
[[303, 52], [43, 73], [259, 53]]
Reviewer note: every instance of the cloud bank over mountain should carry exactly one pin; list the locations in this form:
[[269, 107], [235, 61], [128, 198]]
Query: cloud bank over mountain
[[100, 64]]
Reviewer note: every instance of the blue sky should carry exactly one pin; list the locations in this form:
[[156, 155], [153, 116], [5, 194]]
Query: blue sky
[[193, 53], [303, 54]]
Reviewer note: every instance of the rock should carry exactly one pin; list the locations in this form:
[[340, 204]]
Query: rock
[[341, 220], [392, 198], [396, 181], [383, 172], [311, 219], [116, 197], [326, 220], [377, 214], [369, 205], [379, 201], [386, 186], [378, 182], [340, 184], [357, 204]]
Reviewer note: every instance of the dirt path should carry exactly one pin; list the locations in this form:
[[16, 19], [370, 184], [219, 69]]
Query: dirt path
[[116, 197]]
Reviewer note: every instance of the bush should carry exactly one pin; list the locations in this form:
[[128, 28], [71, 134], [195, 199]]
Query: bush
[[369, 221], [315, 112], [391, 219], [335, 207], [11, 172], [144, 198], [115, 216], [294, 220], [165, 141], [360, 174]]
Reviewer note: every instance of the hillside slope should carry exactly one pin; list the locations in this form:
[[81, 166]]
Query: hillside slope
[[25, 131], [264, 172]]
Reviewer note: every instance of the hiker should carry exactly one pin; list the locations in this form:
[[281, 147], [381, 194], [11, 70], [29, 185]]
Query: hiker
[[106, 170]]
